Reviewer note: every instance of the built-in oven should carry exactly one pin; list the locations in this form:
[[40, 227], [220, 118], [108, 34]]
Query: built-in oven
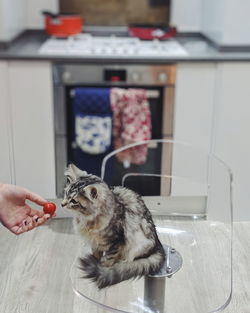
[[159, 83]]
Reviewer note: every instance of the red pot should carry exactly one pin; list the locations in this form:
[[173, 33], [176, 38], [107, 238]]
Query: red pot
[[62, 25], [150, 32]]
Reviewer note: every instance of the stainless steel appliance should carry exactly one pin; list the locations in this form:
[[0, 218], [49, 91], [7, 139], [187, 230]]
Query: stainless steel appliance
[[86, 45], [159, 80]]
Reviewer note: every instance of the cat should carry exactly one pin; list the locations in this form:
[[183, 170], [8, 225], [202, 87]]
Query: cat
[[118, 226]]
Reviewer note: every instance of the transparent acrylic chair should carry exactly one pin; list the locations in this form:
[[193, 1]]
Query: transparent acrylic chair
[[189, 193]]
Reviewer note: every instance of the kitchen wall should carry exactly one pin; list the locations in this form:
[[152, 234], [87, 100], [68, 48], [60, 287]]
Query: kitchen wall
[[12, 18], [34, 18], [117, 12], [226, 22], [212, 21], [186, 15], [19, 15]]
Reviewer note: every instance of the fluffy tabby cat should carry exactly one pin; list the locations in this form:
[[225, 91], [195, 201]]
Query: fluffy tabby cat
[[118, 226]]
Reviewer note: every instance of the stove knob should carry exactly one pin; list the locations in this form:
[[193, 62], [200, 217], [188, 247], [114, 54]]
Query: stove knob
[[66, 76], [162, 77], [135, 76]]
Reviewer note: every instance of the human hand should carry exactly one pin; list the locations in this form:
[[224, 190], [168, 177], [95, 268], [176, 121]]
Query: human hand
[[15, 213]]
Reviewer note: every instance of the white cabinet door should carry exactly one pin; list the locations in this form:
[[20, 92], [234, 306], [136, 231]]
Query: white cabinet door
[[6, 161], [194, 100], [193, 114], [31, 99], [232, 130]]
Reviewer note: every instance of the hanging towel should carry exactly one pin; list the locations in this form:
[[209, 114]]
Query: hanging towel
[[93, 119], [131, 123], [85, 104]]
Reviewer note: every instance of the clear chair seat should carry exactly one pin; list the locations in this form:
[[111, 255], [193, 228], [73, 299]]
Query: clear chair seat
[[193, 216]]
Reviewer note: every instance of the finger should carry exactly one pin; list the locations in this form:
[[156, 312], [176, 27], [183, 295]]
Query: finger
[[38, 219], [34, 212], [17, 230], [34, 197], [27, 221], [41, 220], [35, 218], [24, 226], [31, 225], [35, 221]]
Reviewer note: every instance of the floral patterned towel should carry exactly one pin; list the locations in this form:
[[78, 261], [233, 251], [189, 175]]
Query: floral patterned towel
[[131, 123]]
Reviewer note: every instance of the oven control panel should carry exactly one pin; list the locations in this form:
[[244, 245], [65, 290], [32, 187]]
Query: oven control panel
[[114, 75], [158, 75]]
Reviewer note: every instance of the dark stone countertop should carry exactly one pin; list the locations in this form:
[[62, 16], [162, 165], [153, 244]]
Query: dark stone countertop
[[26, 47]]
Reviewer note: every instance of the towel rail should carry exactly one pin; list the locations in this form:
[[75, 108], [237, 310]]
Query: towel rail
[[151, 93]]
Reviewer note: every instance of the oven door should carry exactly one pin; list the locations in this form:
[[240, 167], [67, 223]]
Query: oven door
[[92, 162], [159, 83]]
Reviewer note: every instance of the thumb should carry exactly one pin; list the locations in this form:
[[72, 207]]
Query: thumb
[[34, 197]]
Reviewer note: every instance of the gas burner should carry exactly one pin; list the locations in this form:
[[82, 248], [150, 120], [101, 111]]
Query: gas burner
[[85, 45]]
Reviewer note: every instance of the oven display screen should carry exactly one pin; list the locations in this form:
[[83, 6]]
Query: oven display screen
[[115, 75]]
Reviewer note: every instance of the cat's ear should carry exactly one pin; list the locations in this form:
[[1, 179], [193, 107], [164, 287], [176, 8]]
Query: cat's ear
[[91, 192], [73, 172]]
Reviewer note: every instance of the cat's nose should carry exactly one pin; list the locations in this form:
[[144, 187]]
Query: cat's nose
[[63, 203]]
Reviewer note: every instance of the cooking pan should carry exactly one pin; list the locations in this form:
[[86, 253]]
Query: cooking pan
[[62, 25], [149, 32]]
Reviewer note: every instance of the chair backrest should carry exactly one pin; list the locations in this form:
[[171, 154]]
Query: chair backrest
[[162, 168]]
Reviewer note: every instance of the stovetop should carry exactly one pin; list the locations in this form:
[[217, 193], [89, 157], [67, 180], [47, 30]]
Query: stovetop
[[86, 45]]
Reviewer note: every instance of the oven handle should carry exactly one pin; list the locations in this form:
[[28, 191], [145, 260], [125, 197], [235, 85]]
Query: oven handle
[[151, 94]]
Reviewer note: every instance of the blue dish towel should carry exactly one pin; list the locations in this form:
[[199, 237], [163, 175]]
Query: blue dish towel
[[93, 119], [87, 103]]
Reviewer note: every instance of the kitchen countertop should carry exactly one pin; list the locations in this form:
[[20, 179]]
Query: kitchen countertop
[[26, 47]]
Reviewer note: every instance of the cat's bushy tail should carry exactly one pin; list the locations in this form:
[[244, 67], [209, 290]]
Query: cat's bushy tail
[[108, 276]]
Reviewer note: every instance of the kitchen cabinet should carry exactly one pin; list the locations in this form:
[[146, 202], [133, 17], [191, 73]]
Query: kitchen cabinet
[[6, 155], [212, 111], [194, 99], [193, 115], [31, 102], [231, 133]]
